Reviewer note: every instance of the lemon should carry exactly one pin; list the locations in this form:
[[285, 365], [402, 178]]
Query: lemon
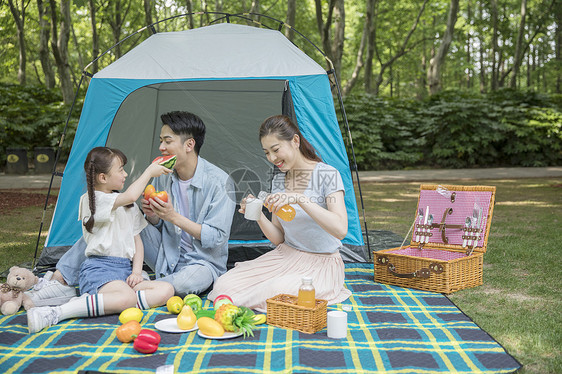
[[174, 304], [130, 314]]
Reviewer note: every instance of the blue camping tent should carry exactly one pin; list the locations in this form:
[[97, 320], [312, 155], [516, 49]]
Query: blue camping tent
[[233, 77]]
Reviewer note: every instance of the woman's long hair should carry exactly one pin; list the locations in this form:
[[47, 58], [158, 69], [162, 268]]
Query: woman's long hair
[[98, 161], [282, 127]]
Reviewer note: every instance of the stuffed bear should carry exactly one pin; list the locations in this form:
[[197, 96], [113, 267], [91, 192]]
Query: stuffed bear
[[12, 294]]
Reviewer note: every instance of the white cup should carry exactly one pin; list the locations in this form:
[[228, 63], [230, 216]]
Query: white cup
[[253, 209], [337, 324]]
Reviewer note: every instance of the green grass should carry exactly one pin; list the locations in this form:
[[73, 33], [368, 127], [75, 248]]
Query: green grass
[[520, 303], [19, 229]]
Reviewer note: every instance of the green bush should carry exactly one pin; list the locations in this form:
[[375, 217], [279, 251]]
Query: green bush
[[33, 116], [456, 129], [386, 133]]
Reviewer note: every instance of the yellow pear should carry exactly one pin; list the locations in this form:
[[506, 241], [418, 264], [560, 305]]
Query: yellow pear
[[186, 318]]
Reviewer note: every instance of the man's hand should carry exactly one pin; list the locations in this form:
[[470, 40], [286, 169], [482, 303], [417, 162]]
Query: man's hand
[[161, 209], [147, 209]]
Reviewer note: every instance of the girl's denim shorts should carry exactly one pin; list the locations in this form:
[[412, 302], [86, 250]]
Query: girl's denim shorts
[[96, 271]]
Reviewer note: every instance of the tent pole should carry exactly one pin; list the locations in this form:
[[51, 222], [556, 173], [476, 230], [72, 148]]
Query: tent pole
[[332, 71], [54, 172]]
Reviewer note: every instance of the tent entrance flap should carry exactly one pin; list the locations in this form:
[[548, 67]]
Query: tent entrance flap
[[232, 111]]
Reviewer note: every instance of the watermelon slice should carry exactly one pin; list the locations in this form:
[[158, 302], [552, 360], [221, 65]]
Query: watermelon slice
[[166, 161]]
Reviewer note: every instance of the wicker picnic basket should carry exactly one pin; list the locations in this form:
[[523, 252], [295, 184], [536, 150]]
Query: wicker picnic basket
[[283, 311], [446, 253]]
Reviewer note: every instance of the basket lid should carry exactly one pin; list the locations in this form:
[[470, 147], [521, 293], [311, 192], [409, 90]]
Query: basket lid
[[454, 217]]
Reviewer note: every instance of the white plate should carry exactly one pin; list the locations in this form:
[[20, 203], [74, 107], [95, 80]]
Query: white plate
[[171, 325], [226, 335]]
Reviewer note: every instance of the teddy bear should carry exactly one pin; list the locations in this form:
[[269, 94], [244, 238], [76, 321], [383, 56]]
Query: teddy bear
[[12, 295]]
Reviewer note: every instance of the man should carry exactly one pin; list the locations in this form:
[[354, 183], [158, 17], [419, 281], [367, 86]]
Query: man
[[186, 242]]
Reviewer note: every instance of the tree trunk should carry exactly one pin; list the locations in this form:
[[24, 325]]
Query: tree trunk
[[436, 63], [19, 18], [255, 9], [116, 22], [324, 28], [399, 53], [148, 5], [371, 40], [290, 20], [339, 36], [521, 50], [59, 45], [367, 27], [189, 9], [481, 51], [495, 49], [44, 55], [518, 58], [95, 37], [468, 46], [558, 51]]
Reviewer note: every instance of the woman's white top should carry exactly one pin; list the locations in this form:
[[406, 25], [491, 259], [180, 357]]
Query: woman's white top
[[114, 230], [303, 232]]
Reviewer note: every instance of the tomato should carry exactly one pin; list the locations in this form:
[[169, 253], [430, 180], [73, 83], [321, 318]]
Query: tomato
[[149, 190], [162, 195], [150, 193]]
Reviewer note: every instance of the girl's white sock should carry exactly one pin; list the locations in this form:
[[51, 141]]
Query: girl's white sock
[[83, 306], [141, 300]]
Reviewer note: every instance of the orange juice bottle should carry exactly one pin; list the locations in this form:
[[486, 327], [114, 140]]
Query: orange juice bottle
[[307, 295], [286, 213]]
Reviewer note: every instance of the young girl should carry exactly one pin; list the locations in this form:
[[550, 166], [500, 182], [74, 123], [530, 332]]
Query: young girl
[[110, 278], [309, 244]]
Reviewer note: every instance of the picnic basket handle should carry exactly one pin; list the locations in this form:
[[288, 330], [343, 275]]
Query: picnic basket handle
[[422, 273]]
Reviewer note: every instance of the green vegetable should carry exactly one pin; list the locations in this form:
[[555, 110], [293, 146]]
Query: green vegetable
[[193, 301], [205, 313]]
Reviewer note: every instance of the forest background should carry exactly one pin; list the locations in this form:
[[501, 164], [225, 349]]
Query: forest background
[[429, 83]]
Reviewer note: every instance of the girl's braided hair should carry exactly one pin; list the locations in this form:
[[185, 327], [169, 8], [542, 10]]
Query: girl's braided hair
[[98, 161]]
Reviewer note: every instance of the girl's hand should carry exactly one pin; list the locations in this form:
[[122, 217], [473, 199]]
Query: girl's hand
[[156, 170], [243, 203], [134, 279], [274, 202]]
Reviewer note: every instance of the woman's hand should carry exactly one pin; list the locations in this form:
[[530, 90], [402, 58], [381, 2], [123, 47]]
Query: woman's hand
[[275, 201], [243, 203]]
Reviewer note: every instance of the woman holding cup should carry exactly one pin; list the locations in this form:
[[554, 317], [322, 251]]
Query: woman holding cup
[[308, 245]]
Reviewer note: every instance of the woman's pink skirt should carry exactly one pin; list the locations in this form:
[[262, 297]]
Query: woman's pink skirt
[[280, 271]]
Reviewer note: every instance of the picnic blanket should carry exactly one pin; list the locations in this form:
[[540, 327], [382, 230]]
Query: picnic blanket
[[390, 330]]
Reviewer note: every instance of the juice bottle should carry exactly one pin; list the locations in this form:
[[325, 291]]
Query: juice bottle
[[286, 213], [307, 295]]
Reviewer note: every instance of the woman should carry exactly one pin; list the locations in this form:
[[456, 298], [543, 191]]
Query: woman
[[309, 244]]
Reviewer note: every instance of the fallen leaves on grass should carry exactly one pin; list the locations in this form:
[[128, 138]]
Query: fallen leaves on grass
[[13, 199]]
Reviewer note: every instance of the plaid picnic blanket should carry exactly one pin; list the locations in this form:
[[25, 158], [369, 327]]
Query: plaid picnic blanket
[[390, 330]]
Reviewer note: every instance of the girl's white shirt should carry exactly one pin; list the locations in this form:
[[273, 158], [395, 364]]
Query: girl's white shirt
[[114, 229]]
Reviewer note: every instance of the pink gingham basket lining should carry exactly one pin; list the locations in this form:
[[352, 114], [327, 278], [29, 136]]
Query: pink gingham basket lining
[[462, 207]]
